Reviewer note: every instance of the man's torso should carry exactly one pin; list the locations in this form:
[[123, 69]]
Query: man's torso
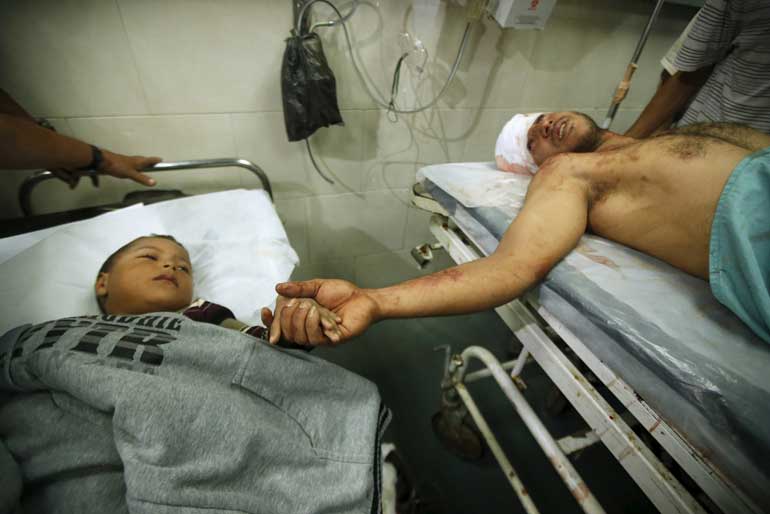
[[659, 195]]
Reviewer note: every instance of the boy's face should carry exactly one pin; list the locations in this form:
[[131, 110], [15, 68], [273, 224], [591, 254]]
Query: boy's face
[[153, 274]]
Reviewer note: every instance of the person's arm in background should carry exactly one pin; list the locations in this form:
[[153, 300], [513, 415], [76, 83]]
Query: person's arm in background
[[551, 223], [26, 145], [698, 50], [672, 97]]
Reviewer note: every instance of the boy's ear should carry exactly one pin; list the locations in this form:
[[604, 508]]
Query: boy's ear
[[101, 284]]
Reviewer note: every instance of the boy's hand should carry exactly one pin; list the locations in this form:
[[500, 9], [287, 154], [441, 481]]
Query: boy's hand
[[355, 309], [301, 321]]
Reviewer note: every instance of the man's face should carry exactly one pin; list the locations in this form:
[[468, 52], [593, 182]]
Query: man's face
[[561, 132], [153, 274]]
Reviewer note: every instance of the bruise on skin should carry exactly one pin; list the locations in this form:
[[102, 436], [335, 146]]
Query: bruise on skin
[[451, 274], [599, 259], [687, 147]]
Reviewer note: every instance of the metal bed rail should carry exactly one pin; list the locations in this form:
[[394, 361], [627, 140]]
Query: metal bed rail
[[655, 480], [29, 184]]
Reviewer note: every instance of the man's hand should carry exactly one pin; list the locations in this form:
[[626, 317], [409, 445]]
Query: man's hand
[[123, 166], [354, 308], [309, 321]]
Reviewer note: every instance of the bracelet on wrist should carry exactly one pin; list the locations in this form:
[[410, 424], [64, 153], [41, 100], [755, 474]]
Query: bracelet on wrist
[[96, 160]]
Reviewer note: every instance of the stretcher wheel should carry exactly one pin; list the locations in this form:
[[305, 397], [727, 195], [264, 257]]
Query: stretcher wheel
[[458, 434]]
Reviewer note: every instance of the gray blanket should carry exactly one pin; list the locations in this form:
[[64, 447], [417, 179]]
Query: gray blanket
[[161, 414]]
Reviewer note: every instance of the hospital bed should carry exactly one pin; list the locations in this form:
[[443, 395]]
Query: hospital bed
[[237, 244], [685, 370], [236, 241]]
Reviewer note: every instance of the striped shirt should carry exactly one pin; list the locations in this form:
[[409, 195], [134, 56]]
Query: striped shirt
[[734, 37]]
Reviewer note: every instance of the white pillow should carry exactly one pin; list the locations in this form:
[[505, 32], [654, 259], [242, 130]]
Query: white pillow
[[238, 247]]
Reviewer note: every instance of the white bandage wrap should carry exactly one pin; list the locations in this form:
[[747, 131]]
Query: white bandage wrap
[[511, 152]]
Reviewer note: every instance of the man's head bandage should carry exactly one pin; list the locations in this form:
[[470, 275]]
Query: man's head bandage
[[511, 152]]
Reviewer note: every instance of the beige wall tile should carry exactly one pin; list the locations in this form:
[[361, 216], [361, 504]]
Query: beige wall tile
[[202, 56], [395, 151], [64, 59], [174, 138], [338, 150], [349, 225]]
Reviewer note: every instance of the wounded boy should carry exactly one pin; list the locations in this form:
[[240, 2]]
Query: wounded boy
[[154, 274], [162, 405]]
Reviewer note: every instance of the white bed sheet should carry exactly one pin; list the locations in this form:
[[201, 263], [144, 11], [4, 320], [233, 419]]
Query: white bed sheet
[[236, 241]]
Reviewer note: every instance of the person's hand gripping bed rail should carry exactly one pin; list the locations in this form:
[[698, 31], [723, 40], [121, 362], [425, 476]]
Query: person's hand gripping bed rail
[[27, 144]]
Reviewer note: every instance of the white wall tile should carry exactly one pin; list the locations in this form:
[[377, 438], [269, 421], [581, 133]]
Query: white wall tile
[[395, 151], [202, 56], [339, 151], [68, 58], [261, 137], [62, 126], [171, 137], [482, 134], [508, 73], [565, 61], [624, 118], [349, 225]]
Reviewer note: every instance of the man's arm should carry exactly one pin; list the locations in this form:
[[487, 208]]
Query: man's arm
[[548, 227], [551, 223], [671, 97]]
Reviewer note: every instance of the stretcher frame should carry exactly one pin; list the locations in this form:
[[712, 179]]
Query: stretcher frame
[[606, 425], [31, 221]]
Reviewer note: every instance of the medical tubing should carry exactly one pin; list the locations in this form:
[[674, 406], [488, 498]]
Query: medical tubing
[[315, 164], [332, 23], [394, 84], [359, 73]]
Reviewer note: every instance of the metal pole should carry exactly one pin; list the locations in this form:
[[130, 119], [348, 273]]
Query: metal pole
[[561, 463], [505, 464], [25, 190], [622, 89]]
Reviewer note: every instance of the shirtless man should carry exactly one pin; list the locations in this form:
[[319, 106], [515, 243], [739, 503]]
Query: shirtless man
[[658, 195]]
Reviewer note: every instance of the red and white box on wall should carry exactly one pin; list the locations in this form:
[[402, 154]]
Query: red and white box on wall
[[522, 14]]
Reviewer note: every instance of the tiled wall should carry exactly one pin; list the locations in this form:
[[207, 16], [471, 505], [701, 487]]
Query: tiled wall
[[187, 79]]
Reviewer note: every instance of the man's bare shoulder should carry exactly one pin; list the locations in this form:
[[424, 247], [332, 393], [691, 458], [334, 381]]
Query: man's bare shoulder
[[563, 172]]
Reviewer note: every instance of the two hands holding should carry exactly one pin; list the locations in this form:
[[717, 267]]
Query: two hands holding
[[320, 312]]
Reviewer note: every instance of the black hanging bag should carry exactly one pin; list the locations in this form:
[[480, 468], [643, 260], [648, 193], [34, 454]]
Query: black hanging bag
[[308, 87]]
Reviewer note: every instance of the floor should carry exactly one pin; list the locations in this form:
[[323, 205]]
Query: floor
[[400, 357]]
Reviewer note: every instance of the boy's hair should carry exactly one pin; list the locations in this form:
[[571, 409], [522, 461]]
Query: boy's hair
[[107, 266]]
